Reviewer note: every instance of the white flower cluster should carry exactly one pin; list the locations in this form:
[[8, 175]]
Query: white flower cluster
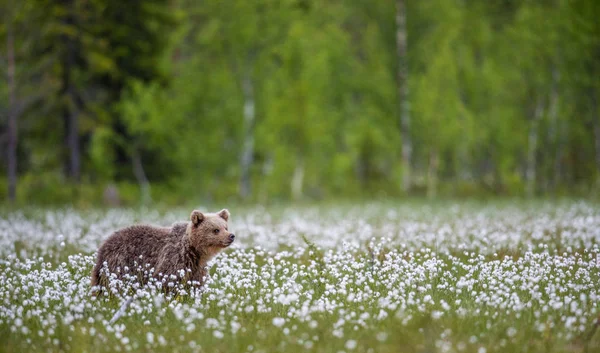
[[463, 278]]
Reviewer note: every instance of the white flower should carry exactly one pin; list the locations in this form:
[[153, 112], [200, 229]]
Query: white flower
[[350, 344], [278, 321], [382, 336], [161, 340]]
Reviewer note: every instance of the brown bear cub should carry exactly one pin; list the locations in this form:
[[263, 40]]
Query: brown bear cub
[[180, 251]]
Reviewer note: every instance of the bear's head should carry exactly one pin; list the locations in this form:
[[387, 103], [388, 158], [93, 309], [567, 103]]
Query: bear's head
[[208, 231]]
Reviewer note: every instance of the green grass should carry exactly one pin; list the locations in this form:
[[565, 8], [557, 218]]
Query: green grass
[[383, 277]]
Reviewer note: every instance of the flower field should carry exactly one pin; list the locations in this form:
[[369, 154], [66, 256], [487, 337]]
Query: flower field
[[378, 277]]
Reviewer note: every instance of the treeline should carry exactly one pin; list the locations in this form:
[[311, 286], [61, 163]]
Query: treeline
[[280, 99]]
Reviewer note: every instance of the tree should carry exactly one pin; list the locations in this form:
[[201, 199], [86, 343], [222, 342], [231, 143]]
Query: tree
[[21, 70], [403, 91], [71, 62], [246, 47], [134, 38], [12, 115]]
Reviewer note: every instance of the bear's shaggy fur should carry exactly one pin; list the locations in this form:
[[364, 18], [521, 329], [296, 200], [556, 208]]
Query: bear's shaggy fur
[[186, 246]]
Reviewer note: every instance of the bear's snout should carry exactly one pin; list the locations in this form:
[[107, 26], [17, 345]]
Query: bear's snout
[[231, 237]]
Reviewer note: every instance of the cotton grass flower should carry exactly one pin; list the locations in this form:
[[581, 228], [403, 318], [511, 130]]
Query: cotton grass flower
[[278, 321], [363, 270]]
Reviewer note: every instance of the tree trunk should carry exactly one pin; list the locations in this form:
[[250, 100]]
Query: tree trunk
[[298, 179], [596, 125], [247, 155], [559, 170], [73, 144], [12, 118], [267, 169], [464, 170], [140, 175], [404, 111], [532, 140], [554, 133], [71, 114], [432, 177]]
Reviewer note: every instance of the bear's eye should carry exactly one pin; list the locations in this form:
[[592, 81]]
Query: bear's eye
[[216, 231]]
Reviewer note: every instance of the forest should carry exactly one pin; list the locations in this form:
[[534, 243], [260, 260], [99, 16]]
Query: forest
[[135, 101]]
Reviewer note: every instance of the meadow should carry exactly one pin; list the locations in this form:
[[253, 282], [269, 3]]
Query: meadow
[[375, 277]]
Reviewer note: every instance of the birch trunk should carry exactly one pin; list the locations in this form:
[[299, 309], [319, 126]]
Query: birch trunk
[[267, 169], [73, 144], [247, 155], [596, 125], [464, 171], [71, 114], [12, 118], [554, 133], [464, 168], [401, 44], [432, 178], [298, 179], [532, 141], [140, 175], [559, 172]]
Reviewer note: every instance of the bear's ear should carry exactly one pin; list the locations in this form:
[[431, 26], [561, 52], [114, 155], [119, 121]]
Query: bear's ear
[[196, 217], [224, 213]]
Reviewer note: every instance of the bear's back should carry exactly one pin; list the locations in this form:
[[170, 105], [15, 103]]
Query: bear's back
[[137, 245], [128, 244], [178, 229]]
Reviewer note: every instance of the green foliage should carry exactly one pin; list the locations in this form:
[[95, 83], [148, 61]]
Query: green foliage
[[503, 96]]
